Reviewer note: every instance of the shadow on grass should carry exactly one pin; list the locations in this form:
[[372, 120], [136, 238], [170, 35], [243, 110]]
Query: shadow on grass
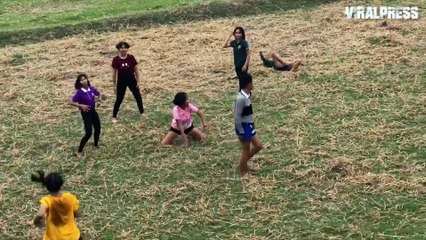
[[196, 12]]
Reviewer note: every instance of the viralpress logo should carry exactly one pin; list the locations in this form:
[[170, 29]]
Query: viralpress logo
[[373, 13]]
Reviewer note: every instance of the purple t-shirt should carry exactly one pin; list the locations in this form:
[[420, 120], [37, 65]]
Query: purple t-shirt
[[86, 97]]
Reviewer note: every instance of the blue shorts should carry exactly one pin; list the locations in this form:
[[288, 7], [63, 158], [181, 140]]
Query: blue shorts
[[249, 132]]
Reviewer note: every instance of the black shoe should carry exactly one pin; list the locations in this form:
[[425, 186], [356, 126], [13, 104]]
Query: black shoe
[[262, 56]]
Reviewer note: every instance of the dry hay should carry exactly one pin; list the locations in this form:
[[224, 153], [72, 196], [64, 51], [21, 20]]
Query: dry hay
[[190, 57], [343, 173]]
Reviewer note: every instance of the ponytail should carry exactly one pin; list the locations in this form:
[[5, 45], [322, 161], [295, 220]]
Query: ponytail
[[39, 178], [53, 181]]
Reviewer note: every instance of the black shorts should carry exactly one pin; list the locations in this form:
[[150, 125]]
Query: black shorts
[[186, 131], [286, 67]]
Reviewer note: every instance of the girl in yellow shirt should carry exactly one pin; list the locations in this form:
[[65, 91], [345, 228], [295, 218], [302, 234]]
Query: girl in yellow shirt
[[60, 209]]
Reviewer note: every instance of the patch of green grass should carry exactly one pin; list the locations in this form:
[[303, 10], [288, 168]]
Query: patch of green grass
[[382, 41], [25, 15], [343, 159], [40, 20], [18, 59]]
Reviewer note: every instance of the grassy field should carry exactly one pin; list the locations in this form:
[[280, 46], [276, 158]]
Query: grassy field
[[36, 21], [344, 153], [25, 15]]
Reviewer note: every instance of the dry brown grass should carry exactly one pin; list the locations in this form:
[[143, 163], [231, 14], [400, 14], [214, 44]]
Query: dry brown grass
[[176, 55], [305, 178]]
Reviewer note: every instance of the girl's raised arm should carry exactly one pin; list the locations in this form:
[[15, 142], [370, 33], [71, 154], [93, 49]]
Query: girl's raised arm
[[227, 43]]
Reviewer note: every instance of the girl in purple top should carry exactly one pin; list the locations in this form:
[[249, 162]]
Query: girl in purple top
[[85, 99], [182, 121]]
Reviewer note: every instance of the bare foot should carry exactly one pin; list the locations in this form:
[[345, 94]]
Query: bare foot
[[166, 145], [244, 170]]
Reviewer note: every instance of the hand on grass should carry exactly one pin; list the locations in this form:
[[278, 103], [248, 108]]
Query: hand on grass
[[185, 141]]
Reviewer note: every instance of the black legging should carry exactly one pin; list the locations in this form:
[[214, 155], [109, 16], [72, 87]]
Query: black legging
[[90, 119], [122, 85], [240, 73]]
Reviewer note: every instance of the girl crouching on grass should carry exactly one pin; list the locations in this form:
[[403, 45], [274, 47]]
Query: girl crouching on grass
[[182, 121], [58, 208]]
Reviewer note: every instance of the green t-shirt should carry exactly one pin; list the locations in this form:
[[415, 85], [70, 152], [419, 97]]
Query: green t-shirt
[[240, 52]]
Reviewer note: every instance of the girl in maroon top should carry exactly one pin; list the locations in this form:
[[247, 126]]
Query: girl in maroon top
[[125, 75], [85, 99]]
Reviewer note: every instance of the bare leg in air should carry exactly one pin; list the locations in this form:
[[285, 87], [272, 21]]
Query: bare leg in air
[[278, 64]]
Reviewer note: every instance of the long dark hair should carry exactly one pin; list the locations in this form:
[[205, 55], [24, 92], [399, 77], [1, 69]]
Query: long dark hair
[[242, 32], [77, 83], [53, 181]]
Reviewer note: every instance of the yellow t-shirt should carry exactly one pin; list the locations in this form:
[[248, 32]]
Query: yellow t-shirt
[[60, 222]]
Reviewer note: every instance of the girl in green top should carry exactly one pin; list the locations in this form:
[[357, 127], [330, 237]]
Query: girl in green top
[[241, 51]]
